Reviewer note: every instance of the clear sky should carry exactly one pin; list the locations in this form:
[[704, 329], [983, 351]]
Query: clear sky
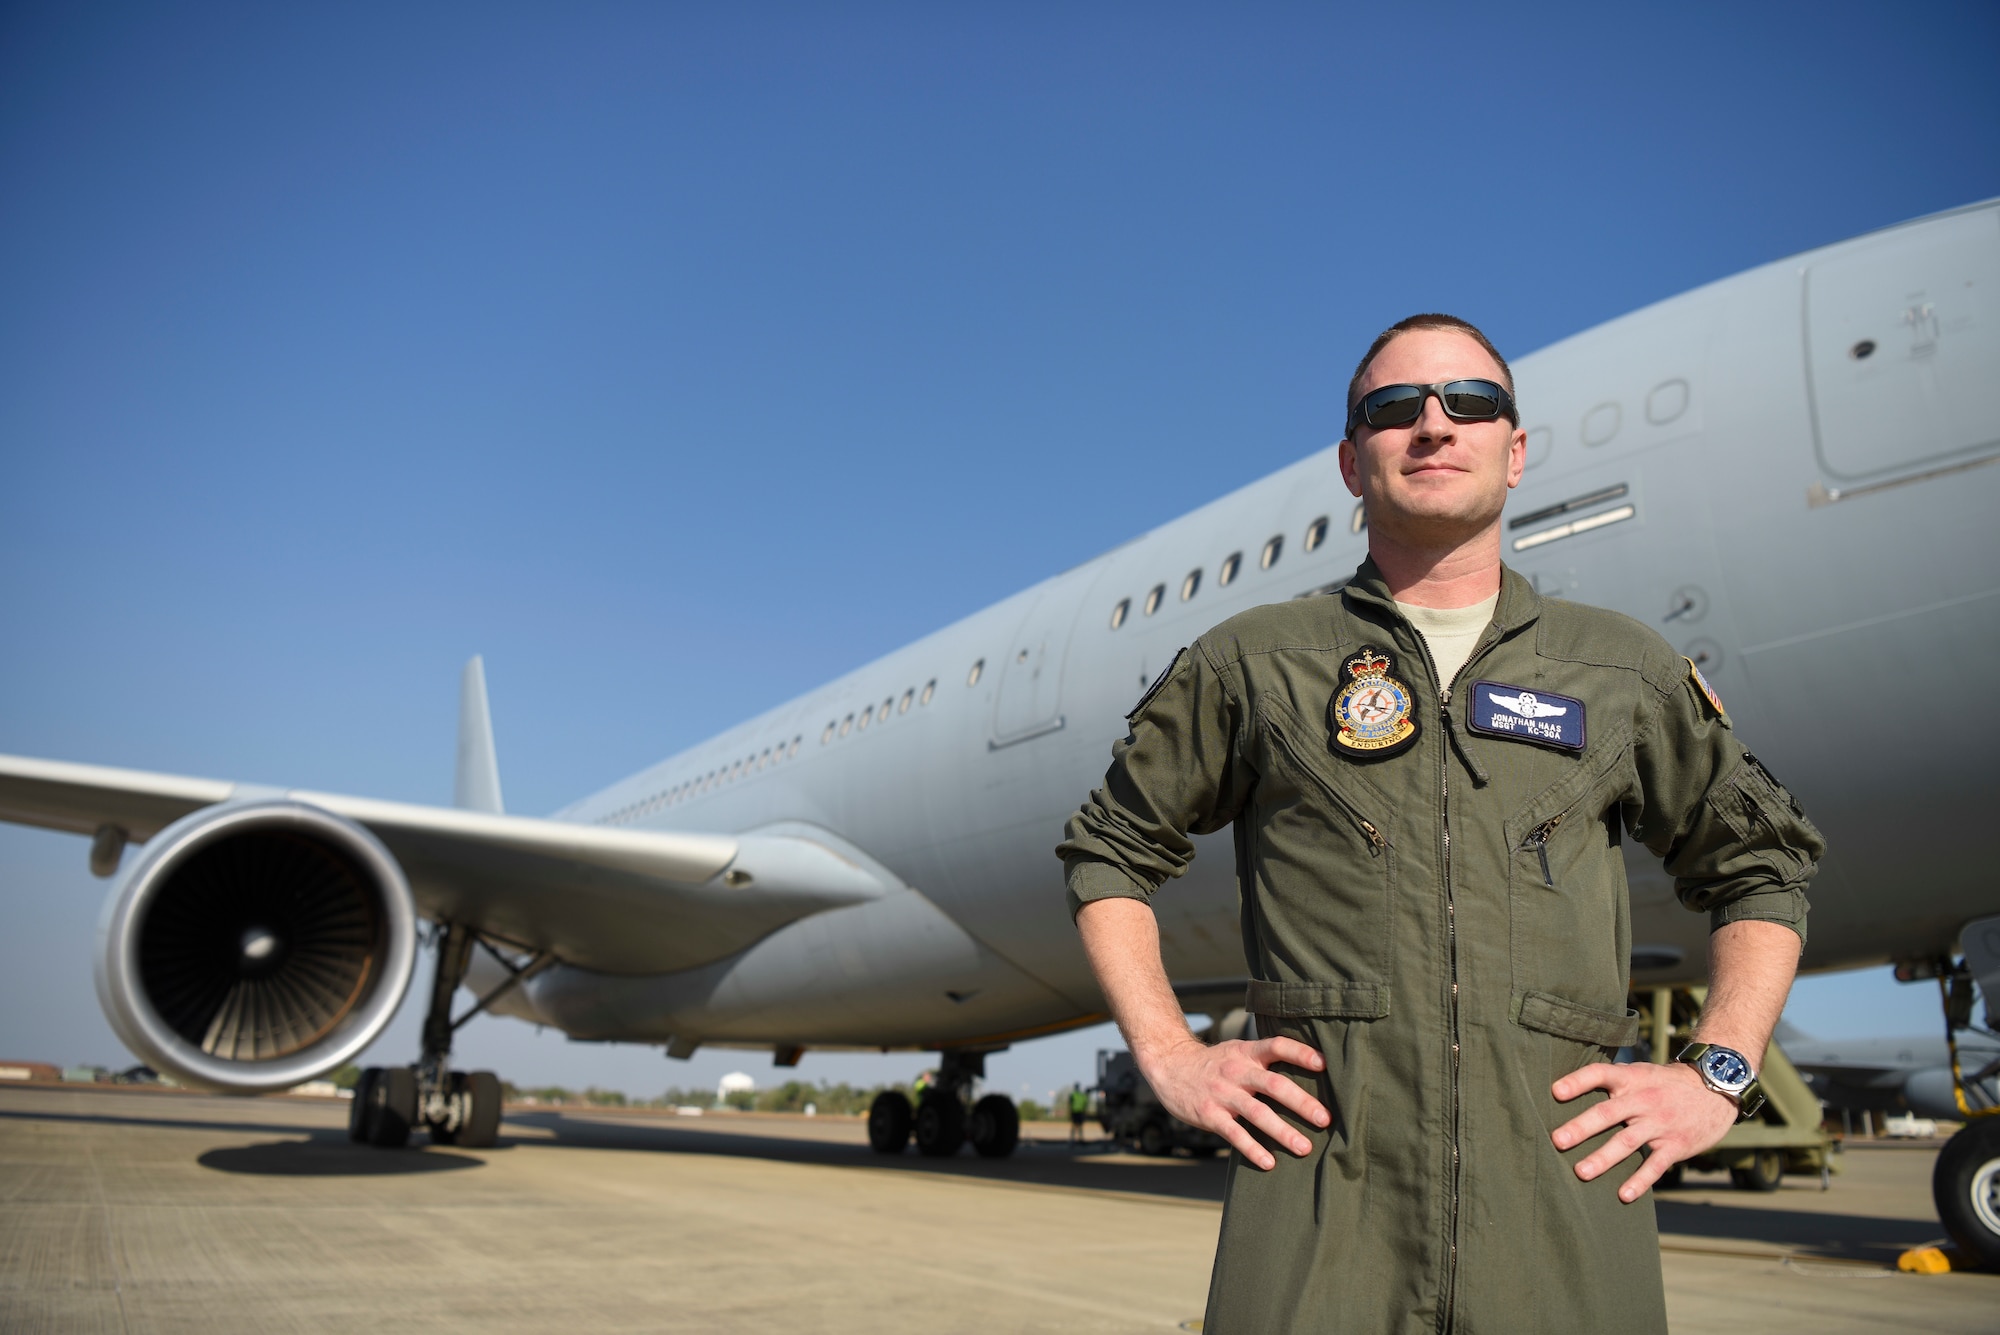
[[678, 358]]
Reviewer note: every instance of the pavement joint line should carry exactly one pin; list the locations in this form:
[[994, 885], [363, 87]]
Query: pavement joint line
[[1782, 1257]]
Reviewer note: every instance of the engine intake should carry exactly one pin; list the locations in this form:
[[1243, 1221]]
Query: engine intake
[[255, 946]]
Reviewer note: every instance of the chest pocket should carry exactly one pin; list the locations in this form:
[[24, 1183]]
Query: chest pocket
[[1568, 903], [1321, 868]]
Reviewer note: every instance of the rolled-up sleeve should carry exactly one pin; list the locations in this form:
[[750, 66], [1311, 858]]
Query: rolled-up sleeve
[[1173, 775], [1737, 844]]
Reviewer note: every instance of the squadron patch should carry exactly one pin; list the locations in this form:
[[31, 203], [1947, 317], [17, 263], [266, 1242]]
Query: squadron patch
[[1708, 692], [1370, 716], [1522, 715]]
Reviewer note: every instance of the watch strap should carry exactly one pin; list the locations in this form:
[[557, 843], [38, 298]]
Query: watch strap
[[1749, 1101]]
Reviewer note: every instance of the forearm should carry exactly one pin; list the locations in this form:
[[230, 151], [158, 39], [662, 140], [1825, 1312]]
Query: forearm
[[1750, 968], [1122, 939]]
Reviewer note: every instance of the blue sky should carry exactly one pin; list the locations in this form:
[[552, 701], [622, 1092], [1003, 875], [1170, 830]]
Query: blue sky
[[678, 358]]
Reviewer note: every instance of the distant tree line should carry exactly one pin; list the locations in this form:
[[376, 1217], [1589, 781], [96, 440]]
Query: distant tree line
[[827, 1099]]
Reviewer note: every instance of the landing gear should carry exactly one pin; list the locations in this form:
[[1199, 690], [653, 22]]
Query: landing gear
[[889, 1119], [996, 1126], [941, 1123], [1965, 1184], [384, 1107], [456, 1107]]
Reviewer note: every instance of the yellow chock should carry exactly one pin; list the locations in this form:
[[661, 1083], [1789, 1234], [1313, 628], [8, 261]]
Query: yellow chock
[[1925, 1261]]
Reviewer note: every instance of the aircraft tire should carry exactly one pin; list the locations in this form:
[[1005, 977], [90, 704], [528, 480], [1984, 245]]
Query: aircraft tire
[[1965, 1185], [392, 1107], [358, 1108], [1764, 1173], [889, 1120], [480, 1126], [996, 1126], [940, 1125]]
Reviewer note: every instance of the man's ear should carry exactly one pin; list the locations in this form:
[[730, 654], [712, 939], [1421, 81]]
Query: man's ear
[[1350, 468], [1517, 458]]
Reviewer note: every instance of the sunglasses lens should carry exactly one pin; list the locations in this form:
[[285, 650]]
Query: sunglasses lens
[[1471, 399], [1393, 405]]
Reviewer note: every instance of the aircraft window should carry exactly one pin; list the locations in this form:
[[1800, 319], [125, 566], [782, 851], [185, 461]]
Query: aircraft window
[[1191, 585], [930, 689], [972, 677], [735, 771], [1359, 519], [886, 705], [1119, 612], [764, 759], [846, 724], [826, 736], [909, 698], [867, 715], [1315, 533], [794, 747], [1272, 549], [1153, 597], [1230, 565]]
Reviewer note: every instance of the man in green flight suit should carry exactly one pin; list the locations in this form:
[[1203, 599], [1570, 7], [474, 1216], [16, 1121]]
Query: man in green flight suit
[[1430, 775]]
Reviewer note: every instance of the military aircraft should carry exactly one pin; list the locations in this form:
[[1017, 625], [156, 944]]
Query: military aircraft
[[1909, 1075], [1787, 473]]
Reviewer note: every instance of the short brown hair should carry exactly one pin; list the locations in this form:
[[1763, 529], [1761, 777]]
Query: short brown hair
[[1431, 320]]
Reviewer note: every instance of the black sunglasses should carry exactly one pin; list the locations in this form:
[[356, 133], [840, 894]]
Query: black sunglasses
[[1463, 400]]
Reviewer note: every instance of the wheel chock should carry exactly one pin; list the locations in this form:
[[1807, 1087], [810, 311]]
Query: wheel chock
[[1925, 1261]]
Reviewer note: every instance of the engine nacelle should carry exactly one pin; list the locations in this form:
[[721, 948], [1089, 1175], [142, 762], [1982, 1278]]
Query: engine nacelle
[[256, 946]]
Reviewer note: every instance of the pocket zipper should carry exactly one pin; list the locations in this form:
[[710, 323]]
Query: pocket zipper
[[1377, 843], [1539, 839]]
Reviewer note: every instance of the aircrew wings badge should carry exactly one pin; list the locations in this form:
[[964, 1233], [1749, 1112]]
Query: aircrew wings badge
[[1522, 715], [1371, 713]]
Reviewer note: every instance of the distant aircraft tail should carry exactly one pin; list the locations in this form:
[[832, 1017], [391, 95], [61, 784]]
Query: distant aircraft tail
[[478, 785]]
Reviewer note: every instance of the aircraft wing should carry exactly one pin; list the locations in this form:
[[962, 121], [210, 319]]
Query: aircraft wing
[[615, 900]]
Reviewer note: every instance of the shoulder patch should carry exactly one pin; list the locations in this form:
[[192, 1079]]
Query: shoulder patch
[[1158, 682], [1707, 692]]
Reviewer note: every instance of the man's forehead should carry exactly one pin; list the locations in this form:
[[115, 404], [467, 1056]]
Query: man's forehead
[[1427, 356]]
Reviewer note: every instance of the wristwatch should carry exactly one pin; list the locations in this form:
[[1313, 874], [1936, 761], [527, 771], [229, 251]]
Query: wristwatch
[[1728, 1073]]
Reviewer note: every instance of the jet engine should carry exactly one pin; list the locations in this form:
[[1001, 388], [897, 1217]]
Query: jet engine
[[256, 945]]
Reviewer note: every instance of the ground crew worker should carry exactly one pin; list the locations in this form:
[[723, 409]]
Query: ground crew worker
[[1430, 774], [1079, 1107]]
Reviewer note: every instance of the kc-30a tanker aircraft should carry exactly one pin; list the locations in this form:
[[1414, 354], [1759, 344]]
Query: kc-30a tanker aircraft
[[1787, 473]]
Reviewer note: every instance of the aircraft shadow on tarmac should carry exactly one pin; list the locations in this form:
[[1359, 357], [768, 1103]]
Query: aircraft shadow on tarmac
[[325, 1155], [1097, 1166]]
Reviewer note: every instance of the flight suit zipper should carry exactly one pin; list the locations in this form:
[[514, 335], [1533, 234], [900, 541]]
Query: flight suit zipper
[[1448, 1291], [1538, 839]]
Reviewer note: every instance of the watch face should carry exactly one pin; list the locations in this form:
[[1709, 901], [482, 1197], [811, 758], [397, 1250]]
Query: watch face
[[1726, 1068]]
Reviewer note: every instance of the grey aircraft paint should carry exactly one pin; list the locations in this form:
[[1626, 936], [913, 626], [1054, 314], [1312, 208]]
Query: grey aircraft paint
[[1783, 472]]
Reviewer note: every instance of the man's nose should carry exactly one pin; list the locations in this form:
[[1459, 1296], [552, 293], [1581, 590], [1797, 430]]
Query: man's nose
[[1434, 423]]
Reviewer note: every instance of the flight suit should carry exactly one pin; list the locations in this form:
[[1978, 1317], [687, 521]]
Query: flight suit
[[1450, 927]]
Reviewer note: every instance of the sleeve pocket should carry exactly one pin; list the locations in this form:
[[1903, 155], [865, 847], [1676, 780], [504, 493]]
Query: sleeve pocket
[[1584, 1024]]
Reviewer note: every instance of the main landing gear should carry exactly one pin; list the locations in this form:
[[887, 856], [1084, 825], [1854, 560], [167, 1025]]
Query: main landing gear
[[1965, 1183], [941, 1122], [456, 1107]]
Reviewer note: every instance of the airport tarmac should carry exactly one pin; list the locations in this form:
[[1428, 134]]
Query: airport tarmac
[[145, 1210]]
